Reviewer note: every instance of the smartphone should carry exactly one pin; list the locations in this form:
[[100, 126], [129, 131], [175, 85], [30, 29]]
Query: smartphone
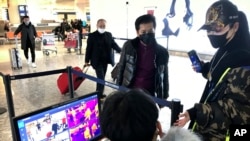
[[195, 60]]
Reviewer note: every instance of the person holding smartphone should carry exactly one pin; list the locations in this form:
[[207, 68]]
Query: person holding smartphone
[[226, 97], [196, 62]]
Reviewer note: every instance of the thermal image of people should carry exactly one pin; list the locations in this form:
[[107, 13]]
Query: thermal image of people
[[94, 128], [87, 114], [87, 134], [96, 110]]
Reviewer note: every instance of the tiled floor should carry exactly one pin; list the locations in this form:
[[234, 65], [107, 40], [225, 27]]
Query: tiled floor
[[34, 93]]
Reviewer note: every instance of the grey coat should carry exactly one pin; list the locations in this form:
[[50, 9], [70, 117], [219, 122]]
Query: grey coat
[[26, 31]]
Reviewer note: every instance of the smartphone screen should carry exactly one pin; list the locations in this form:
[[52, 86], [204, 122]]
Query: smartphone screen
[[195, 60]]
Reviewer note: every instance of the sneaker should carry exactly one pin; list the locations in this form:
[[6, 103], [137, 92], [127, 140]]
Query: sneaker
[[33, 65], [28, 61]]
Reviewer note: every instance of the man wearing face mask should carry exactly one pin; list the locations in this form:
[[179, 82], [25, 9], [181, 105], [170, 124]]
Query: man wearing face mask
[[100, 52], [225, 99], [144, 63], [28, 35]]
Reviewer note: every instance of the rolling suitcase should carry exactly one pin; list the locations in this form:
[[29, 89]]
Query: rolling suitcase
[[63, 83], [15, 57], [38, 45]]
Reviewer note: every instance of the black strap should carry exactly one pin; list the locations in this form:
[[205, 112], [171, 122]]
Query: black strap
[[121, 88]]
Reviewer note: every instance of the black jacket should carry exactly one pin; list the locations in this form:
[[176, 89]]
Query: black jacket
[[94, 48], [65, 27], [26, 31], [57, 30], [78, 27], [127, 67]]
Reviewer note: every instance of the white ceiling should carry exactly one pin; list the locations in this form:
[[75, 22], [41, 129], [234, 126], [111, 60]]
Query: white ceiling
[[62, 2], [85, 2]]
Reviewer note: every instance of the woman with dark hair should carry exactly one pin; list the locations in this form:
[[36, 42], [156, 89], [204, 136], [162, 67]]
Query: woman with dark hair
[[226, 97], [243, 32]]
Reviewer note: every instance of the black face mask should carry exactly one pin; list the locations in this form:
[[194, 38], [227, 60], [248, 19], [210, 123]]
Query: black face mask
[[148, 38], [218, 40]]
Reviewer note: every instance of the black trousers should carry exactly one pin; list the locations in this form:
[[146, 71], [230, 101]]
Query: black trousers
[[100, 71], [32, 51], [80, 39]]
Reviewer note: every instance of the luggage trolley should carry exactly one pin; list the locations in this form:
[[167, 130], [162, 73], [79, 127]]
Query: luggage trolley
[[48, 43], [71, 41]]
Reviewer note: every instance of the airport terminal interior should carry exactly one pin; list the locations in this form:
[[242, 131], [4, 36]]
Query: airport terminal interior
[[38, 92]]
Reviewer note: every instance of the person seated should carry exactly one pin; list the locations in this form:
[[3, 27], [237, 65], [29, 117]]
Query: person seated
[[131, 116], [57, 31], [7, 26]]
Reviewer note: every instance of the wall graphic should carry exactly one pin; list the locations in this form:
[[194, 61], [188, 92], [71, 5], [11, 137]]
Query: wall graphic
[[187, 19]]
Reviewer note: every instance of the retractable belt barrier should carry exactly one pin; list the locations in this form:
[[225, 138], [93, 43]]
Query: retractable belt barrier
[[117, 38], [174, 105], [122, 88], [7, 85]]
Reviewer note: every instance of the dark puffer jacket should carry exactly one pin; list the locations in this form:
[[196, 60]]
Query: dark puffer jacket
[[127, 67], [28, 32]]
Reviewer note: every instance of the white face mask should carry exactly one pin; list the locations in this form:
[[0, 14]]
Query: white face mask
[[27, 22], [101, 30]]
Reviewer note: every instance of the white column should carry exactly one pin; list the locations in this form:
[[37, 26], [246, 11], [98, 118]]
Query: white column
[[13, 10], [81, 8]]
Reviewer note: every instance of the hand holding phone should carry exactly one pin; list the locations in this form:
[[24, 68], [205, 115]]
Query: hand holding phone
[[195, 60]]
